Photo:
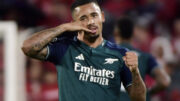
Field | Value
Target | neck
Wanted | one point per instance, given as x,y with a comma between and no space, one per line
93,44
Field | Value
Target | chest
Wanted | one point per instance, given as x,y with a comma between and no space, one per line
95,58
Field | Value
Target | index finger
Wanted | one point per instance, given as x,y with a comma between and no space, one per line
81,27
86,29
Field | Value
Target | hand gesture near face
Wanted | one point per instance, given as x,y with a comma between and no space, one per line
75,26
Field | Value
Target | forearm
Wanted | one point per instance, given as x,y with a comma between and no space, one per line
155,89
138,89
162,81
40,39
161,84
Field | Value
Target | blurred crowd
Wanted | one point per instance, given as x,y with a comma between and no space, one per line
157,31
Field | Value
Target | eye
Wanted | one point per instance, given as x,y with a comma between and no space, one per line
83,18
94,14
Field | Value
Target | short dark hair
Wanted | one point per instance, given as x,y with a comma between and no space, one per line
126,27
77,3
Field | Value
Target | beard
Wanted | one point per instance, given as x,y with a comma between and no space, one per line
90,37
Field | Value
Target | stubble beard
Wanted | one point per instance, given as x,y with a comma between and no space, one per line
90,38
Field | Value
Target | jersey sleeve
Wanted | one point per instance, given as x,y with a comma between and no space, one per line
126,76
152,64
56,50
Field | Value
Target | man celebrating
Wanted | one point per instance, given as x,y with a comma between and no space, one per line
89,67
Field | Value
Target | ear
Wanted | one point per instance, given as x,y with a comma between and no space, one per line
103,16
73,16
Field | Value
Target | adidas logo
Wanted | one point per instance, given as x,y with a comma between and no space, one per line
80,57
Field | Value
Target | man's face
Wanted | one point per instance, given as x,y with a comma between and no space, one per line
91,17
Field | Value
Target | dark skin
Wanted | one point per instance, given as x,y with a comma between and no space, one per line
87,20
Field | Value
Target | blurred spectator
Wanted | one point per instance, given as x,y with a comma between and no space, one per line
23,13
167,10
162,50
142,38
56,11
42,82
147,63
118,7
176,40
50,87
34,81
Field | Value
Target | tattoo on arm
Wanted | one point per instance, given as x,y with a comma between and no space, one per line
34,46
137,90
40,45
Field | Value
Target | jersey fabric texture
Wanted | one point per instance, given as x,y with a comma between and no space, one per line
88,74
146,65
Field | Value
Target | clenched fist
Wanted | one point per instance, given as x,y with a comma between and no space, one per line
131,61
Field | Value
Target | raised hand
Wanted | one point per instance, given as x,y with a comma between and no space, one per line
75,26
131,61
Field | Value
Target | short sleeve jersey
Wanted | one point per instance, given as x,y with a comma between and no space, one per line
88,74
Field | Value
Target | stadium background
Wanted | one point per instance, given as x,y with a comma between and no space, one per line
157,31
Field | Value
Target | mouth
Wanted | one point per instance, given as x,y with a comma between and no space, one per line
93,29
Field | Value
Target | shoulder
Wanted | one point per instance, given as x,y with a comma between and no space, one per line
144,54
63,40
116,47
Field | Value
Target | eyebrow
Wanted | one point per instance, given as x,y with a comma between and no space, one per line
90,14
94,13
83,16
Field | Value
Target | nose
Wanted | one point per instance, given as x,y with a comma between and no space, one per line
91,21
